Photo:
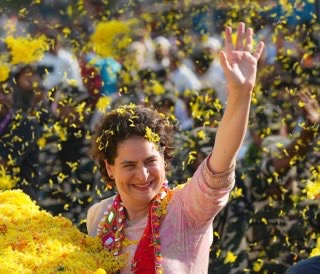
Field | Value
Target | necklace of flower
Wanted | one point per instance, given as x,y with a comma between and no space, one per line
112,234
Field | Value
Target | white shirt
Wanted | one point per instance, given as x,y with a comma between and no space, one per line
214,78
184,79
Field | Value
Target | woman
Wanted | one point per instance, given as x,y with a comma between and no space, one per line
169,231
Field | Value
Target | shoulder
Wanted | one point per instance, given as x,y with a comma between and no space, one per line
100,206
95,213
174,195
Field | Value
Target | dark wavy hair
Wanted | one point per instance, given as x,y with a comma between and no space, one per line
124,122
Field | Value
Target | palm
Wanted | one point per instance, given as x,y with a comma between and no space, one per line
244,67
239,64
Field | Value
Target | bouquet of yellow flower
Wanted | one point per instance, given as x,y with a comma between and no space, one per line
21,50
33,241
111,37
26,50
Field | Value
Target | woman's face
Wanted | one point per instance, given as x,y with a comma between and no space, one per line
138,171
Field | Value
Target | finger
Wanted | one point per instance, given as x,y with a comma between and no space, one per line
224,62
303,97
306,98
228,40
259,50
308,93
240,36
305,94
249,38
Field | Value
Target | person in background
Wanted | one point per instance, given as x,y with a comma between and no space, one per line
208,68
162,52
65,162
310,266
276,168
183,78
27,89
19,151
59,66
169,230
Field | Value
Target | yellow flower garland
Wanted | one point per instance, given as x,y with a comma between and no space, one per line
33,241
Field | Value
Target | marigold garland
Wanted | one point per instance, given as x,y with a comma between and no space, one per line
33,241
111,228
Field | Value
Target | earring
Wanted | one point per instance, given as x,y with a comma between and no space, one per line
111,177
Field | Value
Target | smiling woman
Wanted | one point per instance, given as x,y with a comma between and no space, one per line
132,146
164,230
138,172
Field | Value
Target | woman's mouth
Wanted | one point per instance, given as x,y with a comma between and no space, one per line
142,187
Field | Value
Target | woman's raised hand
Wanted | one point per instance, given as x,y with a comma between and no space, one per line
239,61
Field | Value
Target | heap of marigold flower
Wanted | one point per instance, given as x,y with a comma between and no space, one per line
6,181
33,241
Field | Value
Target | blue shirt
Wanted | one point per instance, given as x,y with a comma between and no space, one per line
307,266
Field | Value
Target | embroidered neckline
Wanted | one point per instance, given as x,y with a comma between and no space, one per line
111,228
133,222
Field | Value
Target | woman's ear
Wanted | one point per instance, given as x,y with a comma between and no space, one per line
109,169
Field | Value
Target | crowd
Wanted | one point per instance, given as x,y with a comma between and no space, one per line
49,109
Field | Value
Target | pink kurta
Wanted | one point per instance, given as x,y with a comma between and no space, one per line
186,232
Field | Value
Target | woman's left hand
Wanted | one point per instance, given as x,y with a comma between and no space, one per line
239,62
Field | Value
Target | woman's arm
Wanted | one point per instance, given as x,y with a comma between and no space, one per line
208,191
239,64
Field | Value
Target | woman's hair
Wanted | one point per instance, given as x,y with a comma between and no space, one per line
124,122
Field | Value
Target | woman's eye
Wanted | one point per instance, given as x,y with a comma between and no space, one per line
151,161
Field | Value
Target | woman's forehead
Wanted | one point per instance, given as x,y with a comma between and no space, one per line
137,143
136,148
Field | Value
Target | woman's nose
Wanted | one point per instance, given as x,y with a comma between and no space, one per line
142,173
